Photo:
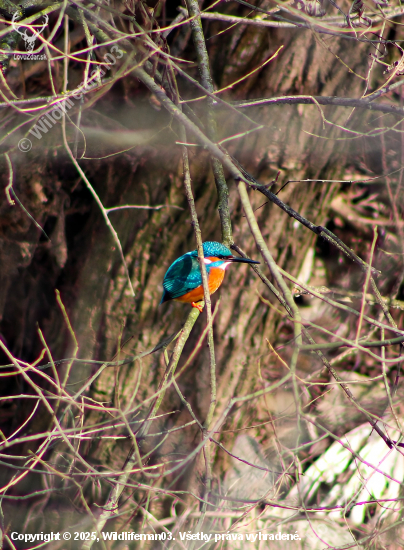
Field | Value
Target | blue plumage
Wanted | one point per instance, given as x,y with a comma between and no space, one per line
212,248
184,274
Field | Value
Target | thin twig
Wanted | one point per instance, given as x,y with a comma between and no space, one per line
207,83
101,206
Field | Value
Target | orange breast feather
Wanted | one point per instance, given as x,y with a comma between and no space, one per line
216,276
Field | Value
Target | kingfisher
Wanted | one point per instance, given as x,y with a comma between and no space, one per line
183,280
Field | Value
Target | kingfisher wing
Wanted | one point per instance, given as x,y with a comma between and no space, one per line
182,276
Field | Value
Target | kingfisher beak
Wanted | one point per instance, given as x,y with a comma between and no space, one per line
242,260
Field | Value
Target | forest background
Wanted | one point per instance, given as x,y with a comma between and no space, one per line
131,132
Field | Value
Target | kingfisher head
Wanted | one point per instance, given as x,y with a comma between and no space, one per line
218,255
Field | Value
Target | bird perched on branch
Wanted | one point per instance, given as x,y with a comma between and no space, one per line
183,280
